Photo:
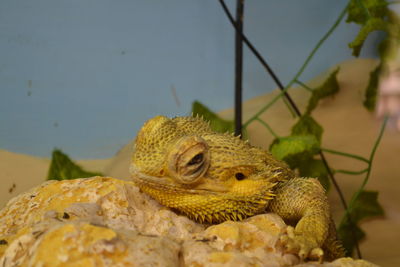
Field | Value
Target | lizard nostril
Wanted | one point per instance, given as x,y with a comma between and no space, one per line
240,176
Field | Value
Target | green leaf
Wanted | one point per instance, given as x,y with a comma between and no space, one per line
364,206
329,88
217,123
388,47
359,11
63,168
316,169
306,125
348,234
371,91
373,24
294,149
307,166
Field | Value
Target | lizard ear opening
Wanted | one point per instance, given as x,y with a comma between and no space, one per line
188,160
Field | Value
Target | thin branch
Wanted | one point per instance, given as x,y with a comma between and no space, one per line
351,172
317,46
308,59
356,195
284,89
266,125
290,100
345,154
263,109
305,86
371,158
260,58
343,200
238,67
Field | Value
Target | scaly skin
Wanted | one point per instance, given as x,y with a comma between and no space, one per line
213,177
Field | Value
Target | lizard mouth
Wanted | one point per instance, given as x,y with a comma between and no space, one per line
167,183
246,198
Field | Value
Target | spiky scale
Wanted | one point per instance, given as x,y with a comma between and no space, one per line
235,217
263,187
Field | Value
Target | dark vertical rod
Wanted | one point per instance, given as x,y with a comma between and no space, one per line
238,67
261,59
295,108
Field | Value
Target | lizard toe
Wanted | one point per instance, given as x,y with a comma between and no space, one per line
303,246
317,254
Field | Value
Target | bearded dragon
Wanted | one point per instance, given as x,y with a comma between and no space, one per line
213,177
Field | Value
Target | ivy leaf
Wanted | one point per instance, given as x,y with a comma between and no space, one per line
329,88
348,234
360,10
306,125
372,89
316,169
63,168
294,149
307,166
364,206
373,24
217,123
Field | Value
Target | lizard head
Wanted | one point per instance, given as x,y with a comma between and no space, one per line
208,176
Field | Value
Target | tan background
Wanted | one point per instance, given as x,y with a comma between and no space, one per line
347,126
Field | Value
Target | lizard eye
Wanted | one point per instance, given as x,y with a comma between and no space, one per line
196,159
189,160
240,176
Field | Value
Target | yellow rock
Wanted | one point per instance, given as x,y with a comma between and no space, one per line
103,221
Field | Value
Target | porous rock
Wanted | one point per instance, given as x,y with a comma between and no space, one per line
103,221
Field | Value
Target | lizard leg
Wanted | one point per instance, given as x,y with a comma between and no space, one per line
302,201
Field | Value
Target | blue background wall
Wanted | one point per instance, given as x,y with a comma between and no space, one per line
83,75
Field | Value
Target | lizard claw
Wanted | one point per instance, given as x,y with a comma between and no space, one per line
304,246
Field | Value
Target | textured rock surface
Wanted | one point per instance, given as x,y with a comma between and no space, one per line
107,222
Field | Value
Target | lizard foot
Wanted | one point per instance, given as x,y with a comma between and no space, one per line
304,246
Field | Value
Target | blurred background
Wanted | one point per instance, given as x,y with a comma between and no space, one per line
83,75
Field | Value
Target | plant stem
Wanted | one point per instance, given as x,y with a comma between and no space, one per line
268,127
371,158
287,96
263,109
356,195
305,64
284,89
238,67
317,46
260,58
305,86
351,172
345,154
343,200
